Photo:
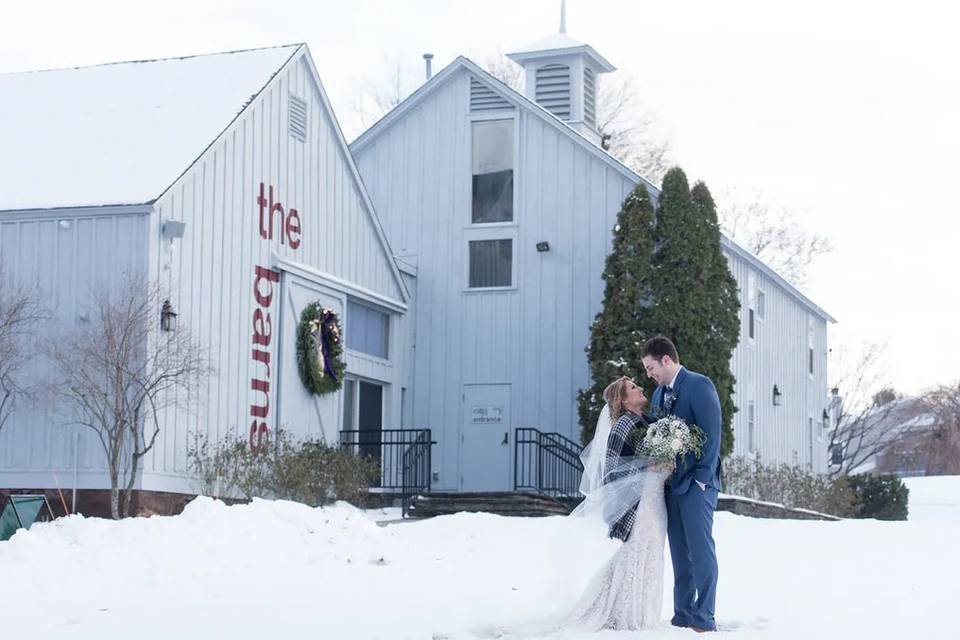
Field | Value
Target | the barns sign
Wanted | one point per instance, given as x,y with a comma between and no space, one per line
265,284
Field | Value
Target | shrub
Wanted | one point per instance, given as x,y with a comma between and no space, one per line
790,486
880,497
307,471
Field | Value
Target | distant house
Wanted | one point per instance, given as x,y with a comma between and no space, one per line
892,437
504,204
243,151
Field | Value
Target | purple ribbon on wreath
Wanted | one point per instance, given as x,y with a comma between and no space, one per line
325,346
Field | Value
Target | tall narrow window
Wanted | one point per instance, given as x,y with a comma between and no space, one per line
810,358
492,171
750,323
761,304
491,263
810,441
751,429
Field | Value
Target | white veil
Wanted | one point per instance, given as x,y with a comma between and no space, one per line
612,485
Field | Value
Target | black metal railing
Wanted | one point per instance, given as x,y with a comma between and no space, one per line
404,455
547,463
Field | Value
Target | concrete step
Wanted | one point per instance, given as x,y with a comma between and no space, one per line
506,503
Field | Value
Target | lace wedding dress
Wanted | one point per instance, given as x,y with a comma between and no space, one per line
627,593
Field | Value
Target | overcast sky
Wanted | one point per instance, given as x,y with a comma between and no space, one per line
846,112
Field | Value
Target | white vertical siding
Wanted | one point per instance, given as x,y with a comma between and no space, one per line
531,337
92,250
210,272
778,355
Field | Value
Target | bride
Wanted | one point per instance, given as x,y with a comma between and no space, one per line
628,493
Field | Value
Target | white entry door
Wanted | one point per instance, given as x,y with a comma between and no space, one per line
486,438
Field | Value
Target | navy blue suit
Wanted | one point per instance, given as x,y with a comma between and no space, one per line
690,508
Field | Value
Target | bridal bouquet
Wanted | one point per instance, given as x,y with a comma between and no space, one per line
669,437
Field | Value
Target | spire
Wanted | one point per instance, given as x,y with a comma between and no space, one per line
563,16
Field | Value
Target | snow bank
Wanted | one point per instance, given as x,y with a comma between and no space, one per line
280,569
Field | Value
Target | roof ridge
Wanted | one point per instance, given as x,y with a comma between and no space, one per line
147,60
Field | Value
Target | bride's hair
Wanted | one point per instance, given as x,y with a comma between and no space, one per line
613,396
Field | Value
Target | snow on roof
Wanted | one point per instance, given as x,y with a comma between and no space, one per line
558,43
119,133
553,41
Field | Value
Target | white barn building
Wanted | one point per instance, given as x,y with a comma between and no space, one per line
505,204
243,149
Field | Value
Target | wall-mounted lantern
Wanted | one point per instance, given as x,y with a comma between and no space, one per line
168,317
543,247
776,396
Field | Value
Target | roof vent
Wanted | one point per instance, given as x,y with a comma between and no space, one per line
483,98
553,89
297,118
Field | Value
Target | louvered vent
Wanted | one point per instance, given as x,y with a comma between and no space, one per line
297,118
483,98
589,98
553,89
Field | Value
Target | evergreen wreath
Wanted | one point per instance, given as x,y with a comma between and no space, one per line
320,349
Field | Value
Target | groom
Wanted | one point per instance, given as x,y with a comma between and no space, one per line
691,492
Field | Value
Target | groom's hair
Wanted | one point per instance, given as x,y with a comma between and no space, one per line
660,346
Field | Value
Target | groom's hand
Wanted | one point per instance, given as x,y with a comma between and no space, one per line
702,486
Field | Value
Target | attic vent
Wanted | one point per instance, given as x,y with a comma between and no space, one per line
589,98
553,89
483,98
297,118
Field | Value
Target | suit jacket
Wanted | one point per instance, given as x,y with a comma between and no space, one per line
696,403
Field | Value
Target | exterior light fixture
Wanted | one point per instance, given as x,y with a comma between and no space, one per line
543,247
168,317
776,396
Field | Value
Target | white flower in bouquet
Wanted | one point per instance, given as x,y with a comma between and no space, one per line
669,437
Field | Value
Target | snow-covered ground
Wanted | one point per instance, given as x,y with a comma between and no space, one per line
282,570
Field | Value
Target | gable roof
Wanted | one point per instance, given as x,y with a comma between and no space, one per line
521,101
347,156
507,93
120,133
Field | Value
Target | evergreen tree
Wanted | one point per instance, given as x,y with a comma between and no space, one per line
618,331
697,305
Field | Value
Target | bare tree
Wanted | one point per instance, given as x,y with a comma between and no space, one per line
505,70
942,445
118,371
868,416
380,93
627,130
771,232
20,312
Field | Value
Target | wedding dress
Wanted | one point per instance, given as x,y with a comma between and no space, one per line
627,592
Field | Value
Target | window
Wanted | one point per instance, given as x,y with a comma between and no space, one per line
750,324
761,305
491,263
810,441
751,432
492,171
810,360
368,330
836,454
